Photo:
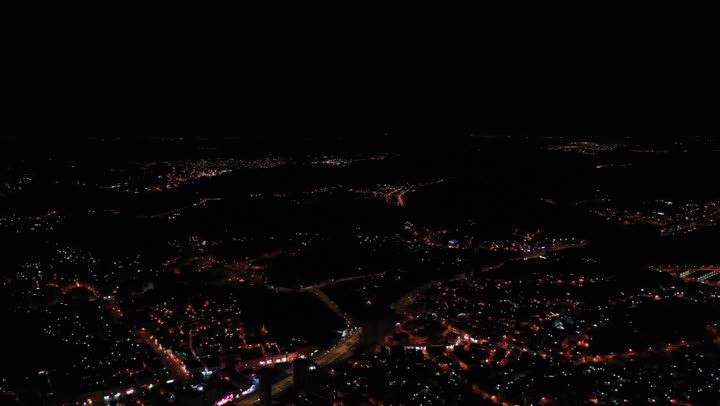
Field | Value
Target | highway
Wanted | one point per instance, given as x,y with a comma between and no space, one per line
340,280
338,352
328,282
341,350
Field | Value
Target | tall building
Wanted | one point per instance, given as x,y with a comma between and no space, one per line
265,387
304,375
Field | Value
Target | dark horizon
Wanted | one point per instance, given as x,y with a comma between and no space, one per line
96,71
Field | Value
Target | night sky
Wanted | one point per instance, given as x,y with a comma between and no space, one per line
136,69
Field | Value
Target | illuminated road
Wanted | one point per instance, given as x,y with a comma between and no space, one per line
333,306
191,333
167,357
535,255
116,312
328,282
341,280
316,290
201,202
396,196
338,352
341,350
404,302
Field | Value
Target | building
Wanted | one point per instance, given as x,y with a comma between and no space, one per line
305,375
265,387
